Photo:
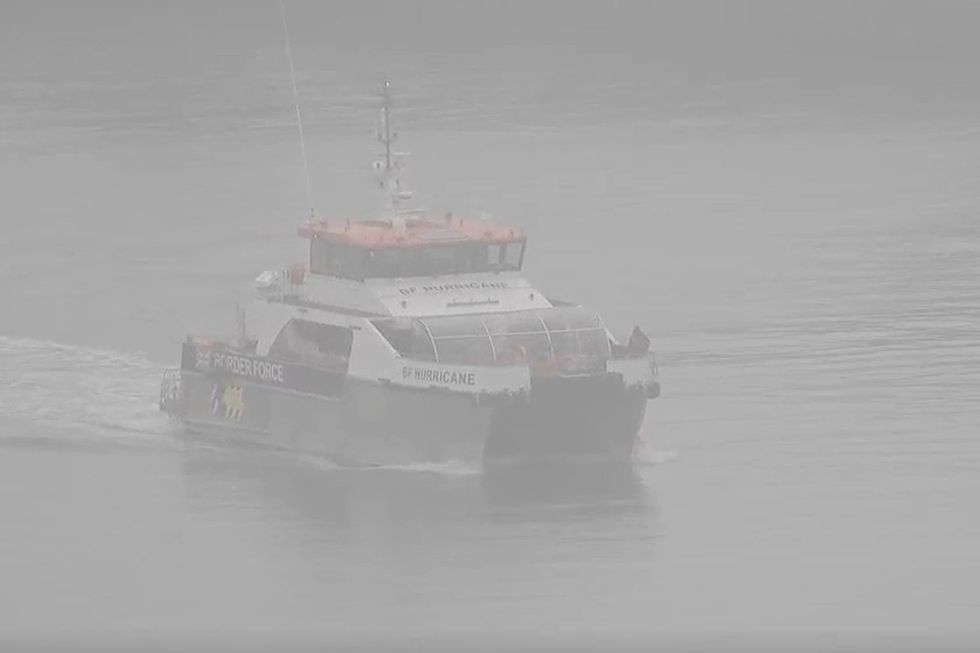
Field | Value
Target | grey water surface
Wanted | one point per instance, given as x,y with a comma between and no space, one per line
785,195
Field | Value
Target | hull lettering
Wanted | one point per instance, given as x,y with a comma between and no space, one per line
432,376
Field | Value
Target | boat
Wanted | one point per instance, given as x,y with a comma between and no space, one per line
415,338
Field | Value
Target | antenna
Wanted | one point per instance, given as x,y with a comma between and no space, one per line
299,117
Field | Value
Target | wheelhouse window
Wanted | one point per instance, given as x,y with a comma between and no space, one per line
504,256
337,259
350,262
513,257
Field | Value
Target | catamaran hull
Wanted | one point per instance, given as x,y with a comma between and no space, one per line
590,418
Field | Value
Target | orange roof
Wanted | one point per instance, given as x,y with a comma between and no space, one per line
418,231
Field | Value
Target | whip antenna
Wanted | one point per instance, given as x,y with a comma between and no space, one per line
299,117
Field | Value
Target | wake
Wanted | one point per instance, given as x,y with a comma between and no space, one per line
645,455
447,468
54,394
48,387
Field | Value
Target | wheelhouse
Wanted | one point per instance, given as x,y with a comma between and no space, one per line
375,249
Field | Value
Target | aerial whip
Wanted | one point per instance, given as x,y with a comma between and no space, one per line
299,117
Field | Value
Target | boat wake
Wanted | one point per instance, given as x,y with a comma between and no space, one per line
50,391
646,456
447,468
55,395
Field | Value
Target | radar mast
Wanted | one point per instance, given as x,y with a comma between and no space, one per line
388,169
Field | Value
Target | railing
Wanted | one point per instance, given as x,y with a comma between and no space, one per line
171,390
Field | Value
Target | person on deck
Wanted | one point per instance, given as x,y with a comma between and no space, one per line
639,343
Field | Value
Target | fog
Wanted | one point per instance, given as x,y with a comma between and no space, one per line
783,195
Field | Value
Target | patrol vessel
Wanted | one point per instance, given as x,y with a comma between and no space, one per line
415,338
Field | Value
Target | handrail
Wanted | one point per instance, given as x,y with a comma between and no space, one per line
171,389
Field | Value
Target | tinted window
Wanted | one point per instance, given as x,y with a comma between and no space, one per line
513,256
337,260
401,261
313,343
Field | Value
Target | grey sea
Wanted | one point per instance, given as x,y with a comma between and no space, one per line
785,195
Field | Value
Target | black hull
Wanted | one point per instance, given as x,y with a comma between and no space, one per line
590,418
580,417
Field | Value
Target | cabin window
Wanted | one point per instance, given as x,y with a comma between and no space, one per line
504,256
435,260
513,256
385,263
349,262
444,259
313,343
422,346
519,337
495,256
337,260
516,338
576,333
461,340
409,338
